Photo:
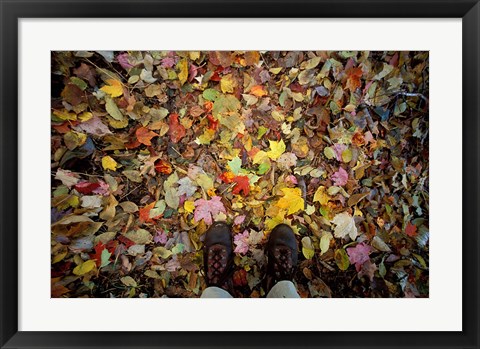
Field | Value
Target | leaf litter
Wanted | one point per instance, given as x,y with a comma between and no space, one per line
150,148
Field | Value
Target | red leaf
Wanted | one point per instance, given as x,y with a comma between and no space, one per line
65,127
126,241
112,246
163,167
411,229
242,185
144,135
97,256
212,123
86,187
176,130
240,278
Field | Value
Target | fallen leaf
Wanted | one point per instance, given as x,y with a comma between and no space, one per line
108,163
114,88
307,247
292,200
242,185
182,66
176,130
241,242
340,177
84,268
345,225
276,149
144,135
411,229
359,254
206,209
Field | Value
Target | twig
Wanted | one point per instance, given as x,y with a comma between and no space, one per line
131,191
106,72
326,265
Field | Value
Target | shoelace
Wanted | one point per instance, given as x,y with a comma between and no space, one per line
217,263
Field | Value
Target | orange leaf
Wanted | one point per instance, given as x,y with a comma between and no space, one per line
163,167
227,177
258,91
354,75
144,135
144,213
58,290
176,130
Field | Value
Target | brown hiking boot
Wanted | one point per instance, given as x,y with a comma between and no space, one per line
218,255
282,255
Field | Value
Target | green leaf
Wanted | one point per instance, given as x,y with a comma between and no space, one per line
210,94
329,153
79,82
235,165
105,258
225,104
179,248
128,281
159,208
261,131
112,109
382,270
263,168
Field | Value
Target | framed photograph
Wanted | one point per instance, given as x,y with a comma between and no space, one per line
239,174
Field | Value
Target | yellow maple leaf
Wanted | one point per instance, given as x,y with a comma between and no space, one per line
228,84
189,206
276,149
183,67
292,200
108,163
115,89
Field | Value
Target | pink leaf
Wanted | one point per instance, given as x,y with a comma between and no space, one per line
359,255
206,209
168,62
123,61
103,189
339,148
160,237
340,177
239,220
241,242
94,126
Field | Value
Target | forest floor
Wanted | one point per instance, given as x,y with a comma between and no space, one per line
150,148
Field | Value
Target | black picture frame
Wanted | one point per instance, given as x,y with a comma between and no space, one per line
12,11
